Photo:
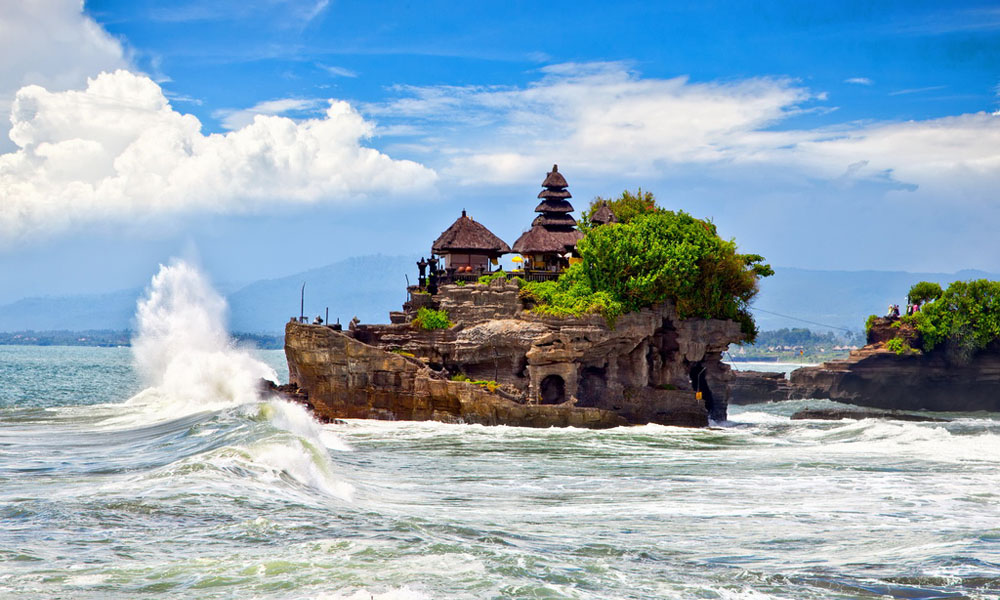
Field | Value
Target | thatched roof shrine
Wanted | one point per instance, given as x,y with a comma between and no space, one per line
469,237
603,215
541,240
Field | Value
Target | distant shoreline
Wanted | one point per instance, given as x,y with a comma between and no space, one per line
108,338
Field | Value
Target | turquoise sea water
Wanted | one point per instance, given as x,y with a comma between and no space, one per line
157,472
106,496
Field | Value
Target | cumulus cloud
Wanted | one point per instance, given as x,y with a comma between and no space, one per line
118,150
239,118
600,117
52,44
606,120
859,80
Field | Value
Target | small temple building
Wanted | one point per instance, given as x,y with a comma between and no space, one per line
469,245
553,236
603,215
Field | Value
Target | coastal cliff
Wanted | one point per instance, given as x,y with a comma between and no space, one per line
503,364
877,377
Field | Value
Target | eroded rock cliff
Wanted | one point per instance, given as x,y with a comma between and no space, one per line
876,377
533,370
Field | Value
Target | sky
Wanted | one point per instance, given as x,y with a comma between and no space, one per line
264,138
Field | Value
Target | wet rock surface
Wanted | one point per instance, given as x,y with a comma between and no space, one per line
878,378
525,369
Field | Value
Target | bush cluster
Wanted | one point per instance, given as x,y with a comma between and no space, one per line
651,256
490,278
431,319
965,318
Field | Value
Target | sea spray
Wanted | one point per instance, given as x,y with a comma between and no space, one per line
185,355
182,349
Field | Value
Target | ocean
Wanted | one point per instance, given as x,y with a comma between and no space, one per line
156,472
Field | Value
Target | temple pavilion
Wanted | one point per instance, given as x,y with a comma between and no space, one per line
603,215
551,241
468,245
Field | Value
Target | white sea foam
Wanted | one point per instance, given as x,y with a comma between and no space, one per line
183,351
184,354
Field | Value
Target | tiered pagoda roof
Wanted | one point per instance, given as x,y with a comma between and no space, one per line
554,230
466,236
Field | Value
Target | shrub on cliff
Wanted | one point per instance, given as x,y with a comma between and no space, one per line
430,319
965,318
924,291
657,255
625,207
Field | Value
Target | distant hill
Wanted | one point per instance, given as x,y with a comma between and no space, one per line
367,287
370,286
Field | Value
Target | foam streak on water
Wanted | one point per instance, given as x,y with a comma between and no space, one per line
196,488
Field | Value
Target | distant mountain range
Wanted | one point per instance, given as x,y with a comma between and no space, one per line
370,286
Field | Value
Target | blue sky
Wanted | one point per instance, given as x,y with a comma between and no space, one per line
266,137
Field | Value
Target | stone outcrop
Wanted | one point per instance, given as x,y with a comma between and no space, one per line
879,378
532,370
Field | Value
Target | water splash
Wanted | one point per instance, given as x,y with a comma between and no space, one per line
187,359
183,351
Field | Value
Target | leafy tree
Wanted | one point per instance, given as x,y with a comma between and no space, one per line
625,207
925,291
655,256
966,318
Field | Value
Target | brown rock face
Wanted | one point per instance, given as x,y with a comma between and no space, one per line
878,378
881,379
544,371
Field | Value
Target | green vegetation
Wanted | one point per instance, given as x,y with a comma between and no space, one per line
625,207
798,345
925,291
965,318
654,255
571,295
869,323
488,279
402,352
898,346
486,384
431,319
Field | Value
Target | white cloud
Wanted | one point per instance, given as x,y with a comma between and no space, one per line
117,150
238,118
337,71
859,80
599,117
51,43
931,88
606,121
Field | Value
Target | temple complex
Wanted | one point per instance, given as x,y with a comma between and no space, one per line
494,360
468,250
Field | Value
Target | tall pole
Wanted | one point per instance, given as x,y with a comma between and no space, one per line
302,303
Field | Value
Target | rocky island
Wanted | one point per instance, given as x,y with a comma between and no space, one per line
945,357
574,338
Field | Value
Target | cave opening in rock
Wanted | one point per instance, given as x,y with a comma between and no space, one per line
552,390
699,382
593,387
